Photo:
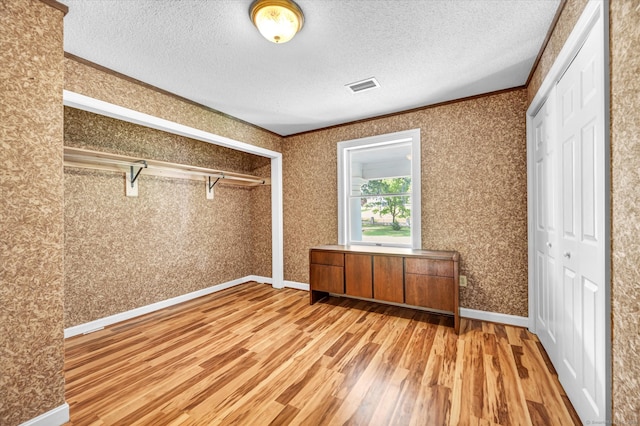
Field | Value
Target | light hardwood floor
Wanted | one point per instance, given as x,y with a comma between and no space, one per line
252,355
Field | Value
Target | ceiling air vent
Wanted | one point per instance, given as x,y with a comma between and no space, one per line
363,85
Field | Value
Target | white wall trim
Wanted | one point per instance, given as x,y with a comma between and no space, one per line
287,284
122,316
259,279
56,417
277,223
296,285
518,321
96,106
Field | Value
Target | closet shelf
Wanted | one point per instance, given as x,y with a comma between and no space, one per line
84,158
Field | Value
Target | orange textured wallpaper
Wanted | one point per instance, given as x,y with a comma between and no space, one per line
625,201
474,186
125,252
31,229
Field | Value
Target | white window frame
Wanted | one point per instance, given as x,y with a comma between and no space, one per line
344,178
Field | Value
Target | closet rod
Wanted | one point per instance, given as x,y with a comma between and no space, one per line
219,175
84,159
78,157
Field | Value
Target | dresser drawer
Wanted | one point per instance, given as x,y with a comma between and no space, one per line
327,278
327,258
429,291
440,268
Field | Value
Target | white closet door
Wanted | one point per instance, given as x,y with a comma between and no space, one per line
546,272
580,112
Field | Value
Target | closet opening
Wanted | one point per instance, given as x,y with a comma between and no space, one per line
174,240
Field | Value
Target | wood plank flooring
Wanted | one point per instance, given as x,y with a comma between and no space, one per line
252,355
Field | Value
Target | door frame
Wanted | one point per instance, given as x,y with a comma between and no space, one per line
594,16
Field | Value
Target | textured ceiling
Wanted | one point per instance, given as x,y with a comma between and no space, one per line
421,52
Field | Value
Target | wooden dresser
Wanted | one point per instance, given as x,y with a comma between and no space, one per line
419,278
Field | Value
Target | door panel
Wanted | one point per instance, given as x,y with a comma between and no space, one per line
541,195
541,285
588,183
567,97
588,81
591,354
571,340
568,185
546,236
552,302
583,164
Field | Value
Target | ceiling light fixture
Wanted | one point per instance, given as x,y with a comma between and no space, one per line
277,20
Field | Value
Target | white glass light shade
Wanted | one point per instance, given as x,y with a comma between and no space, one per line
277,20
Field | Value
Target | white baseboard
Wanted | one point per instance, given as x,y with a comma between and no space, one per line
287,284
56,417
103,322
296,285
259,279
495,317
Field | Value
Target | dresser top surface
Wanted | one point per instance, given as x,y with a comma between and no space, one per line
391,251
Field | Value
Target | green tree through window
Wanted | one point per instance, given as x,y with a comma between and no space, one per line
389,198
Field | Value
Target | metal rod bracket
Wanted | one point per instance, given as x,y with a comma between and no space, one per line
132,178
210,186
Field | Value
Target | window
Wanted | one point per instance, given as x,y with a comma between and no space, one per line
379,190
